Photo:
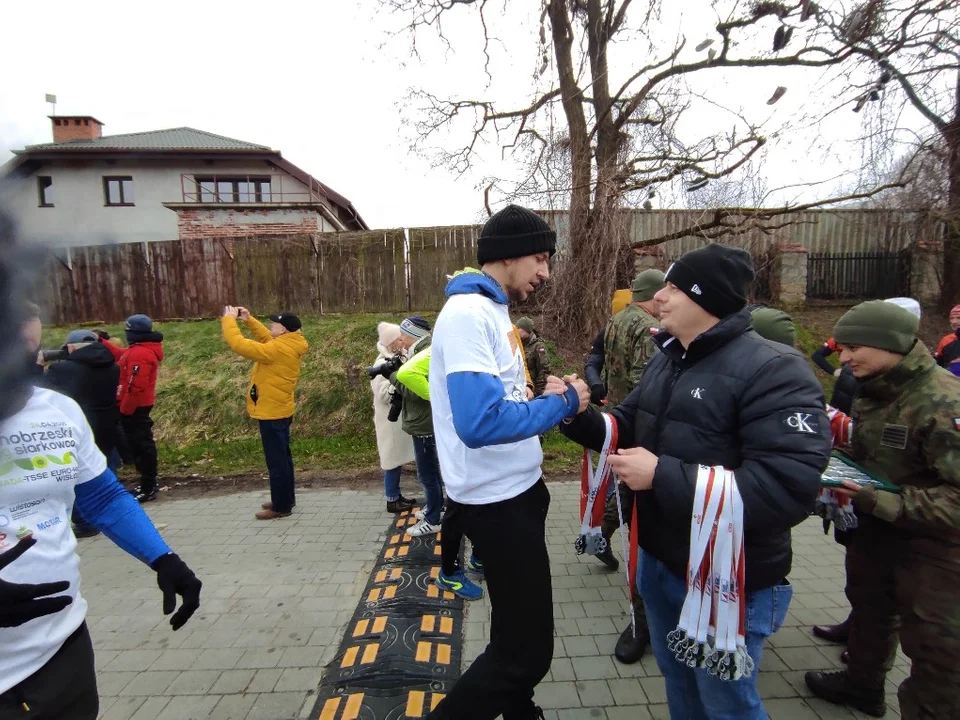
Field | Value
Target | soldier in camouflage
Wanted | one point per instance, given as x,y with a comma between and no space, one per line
628,346
538,364
628,341
903,572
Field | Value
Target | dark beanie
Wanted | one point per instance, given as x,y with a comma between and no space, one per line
878,324
772,324
646,284
715,277
514,232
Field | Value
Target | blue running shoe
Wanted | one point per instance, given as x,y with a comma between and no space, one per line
475,566
460,585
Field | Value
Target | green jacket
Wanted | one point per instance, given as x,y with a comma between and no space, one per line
627,348
906,428
411,381
538,363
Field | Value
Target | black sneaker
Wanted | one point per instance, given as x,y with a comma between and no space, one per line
147,495
836,687
630,649
87,531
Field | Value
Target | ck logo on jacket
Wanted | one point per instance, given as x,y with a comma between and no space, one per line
802,423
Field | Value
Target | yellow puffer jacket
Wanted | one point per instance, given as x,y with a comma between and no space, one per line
276,369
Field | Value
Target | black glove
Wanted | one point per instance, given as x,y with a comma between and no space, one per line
22,602
175,578
598,394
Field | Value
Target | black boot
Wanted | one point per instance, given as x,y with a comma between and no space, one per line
836,687
630,649
607,558
401,505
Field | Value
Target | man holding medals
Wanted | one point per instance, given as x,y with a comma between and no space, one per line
903,571
726,430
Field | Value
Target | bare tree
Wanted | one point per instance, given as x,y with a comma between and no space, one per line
625,131
905,54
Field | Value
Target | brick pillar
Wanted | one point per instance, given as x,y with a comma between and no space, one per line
926,271
649,257
789,279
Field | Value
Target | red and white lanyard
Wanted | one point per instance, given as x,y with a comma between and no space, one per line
711,631
593,484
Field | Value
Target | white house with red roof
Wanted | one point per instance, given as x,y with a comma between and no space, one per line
86,188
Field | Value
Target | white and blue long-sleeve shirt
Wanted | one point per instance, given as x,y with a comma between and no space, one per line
486,430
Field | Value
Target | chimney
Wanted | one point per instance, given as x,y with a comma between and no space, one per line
75,127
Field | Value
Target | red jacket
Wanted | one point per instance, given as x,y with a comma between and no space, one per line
139,364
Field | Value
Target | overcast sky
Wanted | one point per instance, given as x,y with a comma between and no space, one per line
324,84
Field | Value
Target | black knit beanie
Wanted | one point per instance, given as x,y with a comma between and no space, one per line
514,232
715,277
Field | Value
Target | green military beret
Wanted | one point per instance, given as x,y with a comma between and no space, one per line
646,285
773,324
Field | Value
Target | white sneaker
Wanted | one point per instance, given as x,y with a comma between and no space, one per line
420,514
423,528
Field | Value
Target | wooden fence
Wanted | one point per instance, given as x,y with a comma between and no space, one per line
392,270
382,271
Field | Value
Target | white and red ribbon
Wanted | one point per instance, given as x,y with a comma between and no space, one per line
712,627
593,485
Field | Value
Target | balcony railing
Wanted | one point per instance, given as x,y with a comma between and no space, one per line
234,189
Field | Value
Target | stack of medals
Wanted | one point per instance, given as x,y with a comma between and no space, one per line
712,625
593,485
832,506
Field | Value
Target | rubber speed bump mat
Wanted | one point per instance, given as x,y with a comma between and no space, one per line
401,651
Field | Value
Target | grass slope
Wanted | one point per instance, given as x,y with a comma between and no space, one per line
201,421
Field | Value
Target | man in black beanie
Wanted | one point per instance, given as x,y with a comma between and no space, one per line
720,396
487,441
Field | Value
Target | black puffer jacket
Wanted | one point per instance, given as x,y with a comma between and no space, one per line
89,375
593,370
736,400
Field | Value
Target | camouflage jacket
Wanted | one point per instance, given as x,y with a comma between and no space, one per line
538,364
906,428
627,348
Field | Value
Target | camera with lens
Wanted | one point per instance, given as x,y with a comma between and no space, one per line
54,355
396,405
386,368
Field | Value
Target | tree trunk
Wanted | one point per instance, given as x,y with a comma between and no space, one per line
951,235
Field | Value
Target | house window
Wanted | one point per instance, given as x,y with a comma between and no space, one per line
233,190
45,190
118,190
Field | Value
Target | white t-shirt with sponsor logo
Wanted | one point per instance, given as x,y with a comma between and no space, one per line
45,451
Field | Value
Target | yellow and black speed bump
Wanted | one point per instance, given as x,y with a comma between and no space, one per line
401,652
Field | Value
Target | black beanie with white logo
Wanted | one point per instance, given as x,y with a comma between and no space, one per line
716,277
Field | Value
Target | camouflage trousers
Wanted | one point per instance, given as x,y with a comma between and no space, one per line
897,586
610,524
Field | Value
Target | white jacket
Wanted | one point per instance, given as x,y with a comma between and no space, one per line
393,444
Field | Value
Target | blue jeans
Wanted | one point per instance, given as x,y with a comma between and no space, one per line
275,435
692,693
391,484
428,472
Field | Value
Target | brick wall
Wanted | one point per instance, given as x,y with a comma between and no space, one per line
225,223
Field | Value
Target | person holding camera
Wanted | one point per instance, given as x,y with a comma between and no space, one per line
277,353
139,365
417,420
393,444
89,375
